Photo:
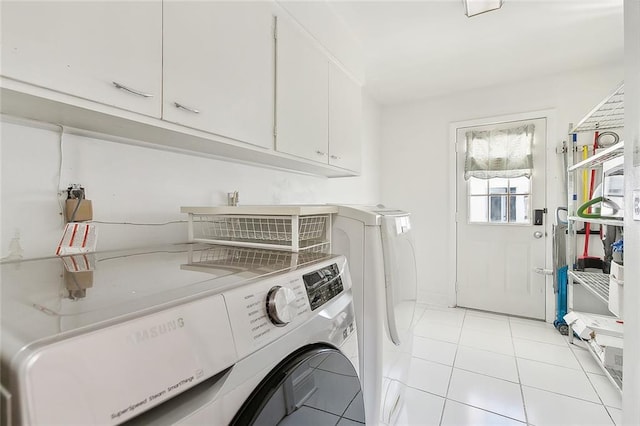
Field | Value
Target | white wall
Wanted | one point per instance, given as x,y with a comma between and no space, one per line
417,149
137,184
631,394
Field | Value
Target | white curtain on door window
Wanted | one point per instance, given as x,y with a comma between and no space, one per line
499,153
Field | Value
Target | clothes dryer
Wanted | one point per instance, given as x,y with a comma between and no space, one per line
181,334
378,245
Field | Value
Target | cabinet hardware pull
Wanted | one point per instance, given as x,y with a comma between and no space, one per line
321,153
130,90
180,106
335,157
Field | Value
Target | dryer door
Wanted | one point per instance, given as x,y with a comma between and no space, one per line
315,385
400,275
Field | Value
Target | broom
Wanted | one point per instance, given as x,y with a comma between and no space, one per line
586,261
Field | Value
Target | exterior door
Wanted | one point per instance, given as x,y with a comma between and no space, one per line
499,246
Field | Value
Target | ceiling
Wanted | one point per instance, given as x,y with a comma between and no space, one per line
418,49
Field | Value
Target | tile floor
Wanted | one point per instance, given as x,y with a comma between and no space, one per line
477,368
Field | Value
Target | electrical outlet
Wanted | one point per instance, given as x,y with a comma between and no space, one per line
75,191
636,204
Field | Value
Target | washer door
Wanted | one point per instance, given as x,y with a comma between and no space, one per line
316,385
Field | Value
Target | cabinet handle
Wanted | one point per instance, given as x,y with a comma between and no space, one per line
334,157
132,91
180,106
321,153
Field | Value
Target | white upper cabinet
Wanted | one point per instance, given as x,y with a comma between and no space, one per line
302,95
105,51
225,78
318,107
219,68
345,120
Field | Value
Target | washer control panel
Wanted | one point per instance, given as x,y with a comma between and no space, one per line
261,312
323,285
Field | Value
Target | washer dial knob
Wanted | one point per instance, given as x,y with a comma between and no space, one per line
281,305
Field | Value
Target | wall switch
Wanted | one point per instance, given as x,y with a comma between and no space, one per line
636,204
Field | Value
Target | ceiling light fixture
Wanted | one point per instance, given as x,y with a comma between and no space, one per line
476,7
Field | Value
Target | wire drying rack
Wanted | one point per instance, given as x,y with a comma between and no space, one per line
290,232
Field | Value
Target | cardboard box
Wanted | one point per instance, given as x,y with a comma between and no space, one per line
83,213
77,283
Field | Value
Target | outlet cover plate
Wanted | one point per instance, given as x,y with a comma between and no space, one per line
636,204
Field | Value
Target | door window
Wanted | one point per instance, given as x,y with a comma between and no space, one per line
498,168
499,200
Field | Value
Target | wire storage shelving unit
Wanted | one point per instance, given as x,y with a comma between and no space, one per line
607,330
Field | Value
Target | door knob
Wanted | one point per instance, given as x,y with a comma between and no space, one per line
537,235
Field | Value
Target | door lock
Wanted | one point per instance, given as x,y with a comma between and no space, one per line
537,235
538,217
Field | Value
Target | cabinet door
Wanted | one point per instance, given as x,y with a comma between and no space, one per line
83,47
301,95
345,120
219,67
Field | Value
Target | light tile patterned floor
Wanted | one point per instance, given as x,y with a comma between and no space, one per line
477,368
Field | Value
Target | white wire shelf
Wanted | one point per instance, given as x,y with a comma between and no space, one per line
608,114
259,228
597,159
597,283
613,222
307,245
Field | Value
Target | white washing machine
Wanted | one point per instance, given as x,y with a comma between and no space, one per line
378,245
182,334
